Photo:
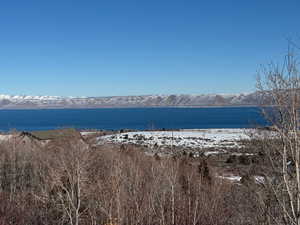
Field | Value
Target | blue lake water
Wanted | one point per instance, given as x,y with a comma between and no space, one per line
131,118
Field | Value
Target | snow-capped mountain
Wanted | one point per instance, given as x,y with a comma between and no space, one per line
39,102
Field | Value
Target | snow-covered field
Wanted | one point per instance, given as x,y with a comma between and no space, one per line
202,138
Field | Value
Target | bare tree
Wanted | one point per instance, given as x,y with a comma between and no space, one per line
279,86
68,175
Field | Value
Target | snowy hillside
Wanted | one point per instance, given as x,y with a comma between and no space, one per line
211,138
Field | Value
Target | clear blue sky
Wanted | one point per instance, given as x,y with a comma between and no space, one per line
127,47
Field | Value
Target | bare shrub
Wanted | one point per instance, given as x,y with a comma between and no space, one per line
67,182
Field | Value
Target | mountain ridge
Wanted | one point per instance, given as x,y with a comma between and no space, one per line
175,100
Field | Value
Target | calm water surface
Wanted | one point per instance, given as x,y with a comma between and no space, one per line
131,118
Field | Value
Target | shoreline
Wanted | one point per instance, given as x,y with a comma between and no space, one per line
129,107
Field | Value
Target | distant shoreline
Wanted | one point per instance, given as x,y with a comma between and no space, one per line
129,107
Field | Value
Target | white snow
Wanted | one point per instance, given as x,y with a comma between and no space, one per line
28,97
208,153
144,100
242,154
235,178
5,137
86,133
259,179
231,178
227,138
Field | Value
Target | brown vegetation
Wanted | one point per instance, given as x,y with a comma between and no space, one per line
66,182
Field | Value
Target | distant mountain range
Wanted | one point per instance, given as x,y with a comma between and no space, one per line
185,100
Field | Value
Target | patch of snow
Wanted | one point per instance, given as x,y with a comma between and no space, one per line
213,153
5,137
86,133
243,154
231,178
259,179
